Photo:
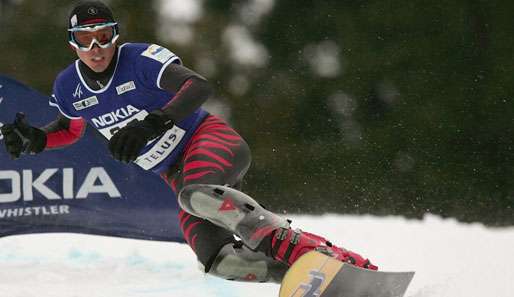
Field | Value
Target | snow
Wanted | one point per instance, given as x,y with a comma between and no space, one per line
451,259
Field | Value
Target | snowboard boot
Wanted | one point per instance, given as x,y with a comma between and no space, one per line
258,228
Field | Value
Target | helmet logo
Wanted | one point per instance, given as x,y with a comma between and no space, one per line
73,20
92,10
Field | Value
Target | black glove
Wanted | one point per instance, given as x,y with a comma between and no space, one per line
20,137
128,142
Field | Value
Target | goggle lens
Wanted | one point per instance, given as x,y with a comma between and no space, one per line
103,35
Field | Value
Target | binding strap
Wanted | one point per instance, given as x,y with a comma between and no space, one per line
280,236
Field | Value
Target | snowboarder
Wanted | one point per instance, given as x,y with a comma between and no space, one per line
148,106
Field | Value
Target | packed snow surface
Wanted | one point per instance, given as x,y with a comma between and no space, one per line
451,259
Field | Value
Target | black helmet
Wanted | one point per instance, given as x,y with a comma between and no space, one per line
90,12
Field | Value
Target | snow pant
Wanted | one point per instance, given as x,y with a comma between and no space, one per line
216,154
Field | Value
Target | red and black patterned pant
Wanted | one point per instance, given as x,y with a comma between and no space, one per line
216,154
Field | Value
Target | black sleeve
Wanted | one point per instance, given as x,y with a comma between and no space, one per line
191,91
59,124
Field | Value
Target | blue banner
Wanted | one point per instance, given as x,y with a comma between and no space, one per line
80,188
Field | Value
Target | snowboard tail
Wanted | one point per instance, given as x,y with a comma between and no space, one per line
319,275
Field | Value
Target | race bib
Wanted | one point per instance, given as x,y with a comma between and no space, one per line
158,53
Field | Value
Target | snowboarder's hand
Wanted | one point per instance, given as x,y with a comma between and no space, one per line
128,142
20,137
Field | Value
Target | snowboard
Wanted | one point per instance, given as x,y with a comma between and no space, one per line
317,275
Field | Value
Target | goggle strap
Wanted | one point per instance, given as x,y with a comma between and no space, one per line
92,28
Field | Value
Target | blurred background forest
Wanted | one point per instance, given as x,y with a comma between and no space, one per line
380,107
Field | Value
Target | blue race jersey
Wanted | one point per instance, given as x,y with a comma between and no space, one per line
132,92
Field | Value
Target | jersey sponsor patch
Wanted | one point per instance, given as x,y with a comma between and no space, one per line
123,88
83,104
158,53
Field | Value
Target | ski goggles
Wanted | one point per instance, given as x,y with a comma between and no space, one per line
85,37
